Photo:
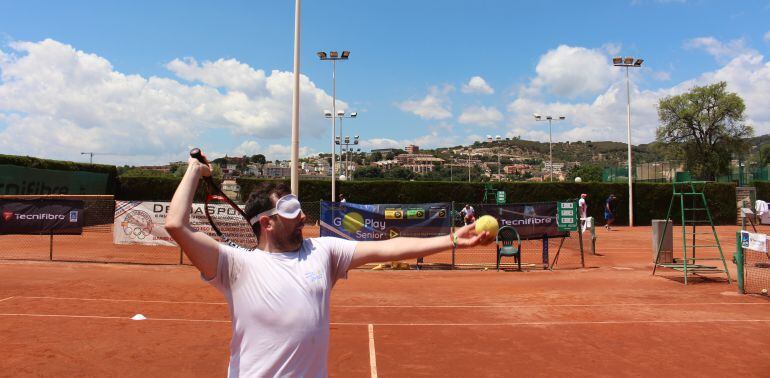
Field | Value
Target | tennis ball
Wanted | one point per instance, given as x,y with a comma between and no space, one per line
487,223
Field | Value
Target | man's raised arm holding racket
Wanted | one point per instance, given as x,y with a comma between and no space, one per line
278,290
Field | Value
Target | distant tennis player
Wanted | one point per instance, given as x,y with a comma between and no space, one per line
278,294
468,214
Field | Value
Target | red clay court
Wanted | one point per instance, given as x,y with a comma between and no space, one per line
611,319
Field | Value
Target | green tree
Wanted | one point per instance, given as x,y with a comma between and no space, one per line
586,172
259,160
400,173
704,126
764,155
367,172
375,156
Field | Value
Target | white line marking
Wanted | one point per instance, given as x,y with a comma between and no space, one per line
555,305
764,303
372,355
118,318
125,300
561,323
425,324
5,299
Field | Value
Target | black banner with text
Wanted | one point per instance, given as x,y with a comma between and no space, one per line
41,216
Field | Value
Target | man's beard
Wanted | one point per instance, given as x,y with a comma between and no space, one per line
292,241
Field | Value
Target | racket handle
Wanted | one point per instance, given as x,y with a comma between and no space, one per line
197,154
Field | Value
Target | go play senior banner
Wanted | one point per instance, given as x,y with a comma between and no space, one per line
531,221
384,221
139,222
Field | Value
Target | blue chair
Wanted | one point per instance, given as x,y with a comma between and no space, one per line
508,244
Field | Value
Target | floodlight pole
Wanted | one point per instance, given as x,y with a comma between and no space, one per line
629,62
334,57
295,105
550,140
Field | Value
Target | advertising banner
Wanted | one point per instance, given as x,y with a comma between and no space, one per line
384,221
17,180
139,222
41,216
531,221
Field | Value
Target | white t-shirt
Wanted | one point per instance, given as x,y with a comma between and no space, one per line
583,207
279,305
467,211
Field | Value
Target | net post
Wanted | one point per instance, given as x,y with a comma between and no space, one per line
580,238
738,256
451,233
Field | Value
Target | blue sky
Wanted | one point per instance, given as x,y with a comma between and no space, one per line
145,80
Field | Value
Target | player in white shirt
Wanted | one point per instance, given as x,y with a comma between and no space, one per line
278,294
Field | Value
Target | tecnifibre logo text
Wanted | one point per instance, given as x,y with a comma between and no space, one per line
522,222
39,216
32,187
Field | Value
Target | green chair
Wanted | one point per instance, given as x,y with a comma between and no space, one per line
508,244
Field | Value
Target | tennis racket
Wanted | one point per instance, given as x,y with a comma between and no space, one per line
228,220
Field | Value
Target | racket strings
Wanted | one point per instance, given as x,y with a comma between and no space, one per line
233,227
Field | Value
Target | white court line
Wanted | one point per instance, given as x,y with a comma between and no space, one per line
118,318
124,300
427,324
5,299
427,306
559,323
556,305
372,355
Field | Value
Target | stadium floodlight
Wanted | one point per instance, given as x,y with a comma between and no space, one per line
353,114
340,113
629,62
333,56
327,113
549,118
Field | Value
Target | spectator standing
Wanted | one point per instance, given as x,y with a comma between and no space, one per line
609,211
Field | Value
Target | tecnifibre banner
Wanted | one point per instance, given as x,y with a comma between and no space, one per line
16,180
531,220
378,222
41,216
138,222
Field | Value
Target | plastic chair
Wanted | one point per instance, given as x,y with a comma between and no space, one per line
508,244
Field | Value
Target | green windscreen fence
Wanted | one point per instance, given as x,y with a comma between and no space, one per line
18,180
643,172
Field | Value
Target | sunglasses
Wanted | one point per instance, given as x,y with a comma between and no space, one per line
287,207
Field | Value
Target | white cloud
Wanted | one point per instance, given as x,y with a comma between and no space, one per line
477,84
719,50
59,101
441,135
766,37
435,105
604,117
571,72
481,115
271,152
661,75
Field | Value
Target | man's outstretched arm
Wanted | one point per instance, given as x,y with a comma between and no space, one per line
410,248
202,250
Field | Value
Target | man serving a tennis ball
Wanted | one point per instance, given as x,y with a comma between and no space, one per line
278,294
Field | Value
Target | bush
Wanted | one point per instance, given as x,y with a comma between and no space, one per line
59,165
651,200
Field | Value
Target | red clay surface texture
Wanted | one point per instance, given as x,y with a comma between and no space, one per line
611,319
